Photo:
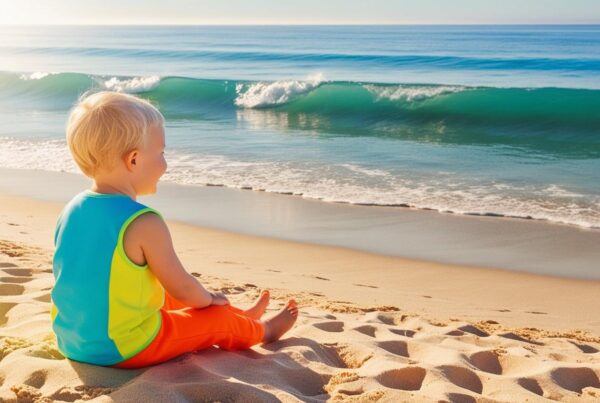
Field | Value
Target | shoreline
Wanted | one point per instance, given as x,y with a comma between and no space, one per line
513,244
408,207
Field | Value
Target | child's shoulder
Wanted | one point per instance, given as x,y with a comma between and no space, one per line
147,221
145,231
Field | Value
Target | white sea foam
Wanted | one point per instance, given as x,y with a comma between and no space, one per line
274,93
410,93
558,191
353,183
350,183
131,85
365,171
47,155
38,75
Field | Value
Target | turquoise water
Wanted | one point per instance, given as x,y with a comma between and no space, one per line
497,120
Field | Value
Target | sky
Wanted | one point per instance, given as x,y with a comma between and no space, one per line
204,12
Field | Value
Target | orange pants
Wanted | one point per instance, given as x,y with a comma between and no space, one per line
186,329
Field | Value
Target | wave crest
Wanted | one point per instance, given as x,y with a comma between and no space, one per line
263,94
131,85
38,75
411,93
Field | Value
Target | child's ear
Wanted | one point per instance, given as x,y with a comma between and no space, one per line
131,159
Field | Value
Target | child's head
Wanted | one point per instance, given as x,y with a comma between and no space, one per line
116,135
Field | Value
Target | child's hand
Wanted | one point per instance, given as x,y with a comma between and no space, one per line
219,298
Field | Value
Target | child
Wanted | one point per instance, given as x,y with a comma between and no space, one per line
121,296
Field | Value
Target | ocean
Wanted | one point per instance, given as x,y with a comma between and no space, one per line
482,120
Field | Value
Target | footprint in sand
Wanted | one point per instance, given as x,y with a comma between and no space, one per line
12,285
409,378
37,379
44,298
575,379
585,348
396,347
531,385
455,332
19,272
4,308
11,289
462,377
329,353
366,330
486,361
343,378
18,280
461,398
403,332
349,355
473,330
514,336
390,318
334,326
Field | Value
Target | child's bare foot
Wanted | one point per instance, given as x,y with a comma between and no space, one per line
281,322
259,307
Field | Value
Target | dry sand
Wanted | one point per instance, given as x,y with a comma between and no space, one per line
371,328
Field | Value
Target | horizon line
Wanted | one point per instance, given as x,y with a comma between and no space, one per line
307,24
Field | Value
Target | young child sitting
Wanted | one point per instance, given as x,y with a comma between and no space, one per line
122,297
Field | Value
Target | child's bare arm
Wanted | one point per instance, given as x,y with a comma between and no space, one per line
149,237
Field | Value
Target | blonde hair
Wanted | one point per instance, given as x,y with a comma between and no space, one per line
105,126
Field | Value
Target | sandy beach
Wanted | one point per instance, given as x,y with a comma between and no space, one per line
371,327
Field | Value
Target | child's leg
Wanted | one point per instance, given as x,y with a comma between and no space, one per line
237,310
190,329
172,304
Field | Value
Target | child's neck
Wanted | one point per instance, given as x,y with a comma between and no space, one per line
100,186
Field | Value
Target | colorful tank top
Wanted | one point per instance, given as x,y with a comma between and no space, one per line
105,308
